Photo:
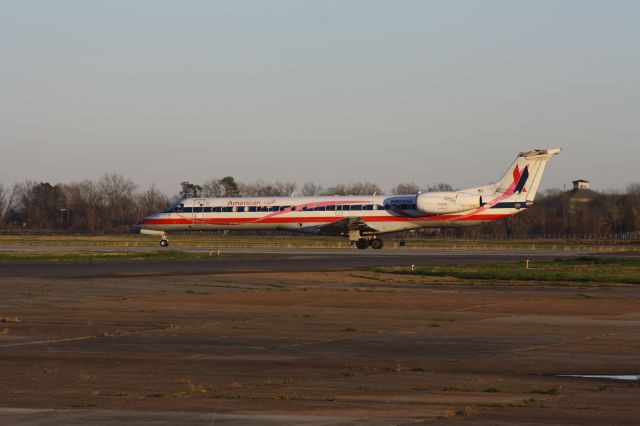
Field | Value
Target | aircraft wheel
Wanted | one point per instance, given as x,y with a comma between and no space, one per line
376,244
164,243
362,244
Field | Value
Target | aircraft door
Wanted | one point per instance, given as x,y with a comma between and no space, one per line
197,215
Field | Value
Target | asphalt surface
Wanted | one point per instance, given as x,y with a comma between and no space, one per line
237,260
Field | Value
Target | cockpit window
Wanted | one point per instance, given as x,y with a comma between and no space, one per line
176,208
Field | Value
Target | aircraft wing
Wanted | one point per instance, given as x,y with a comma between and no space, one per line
346,225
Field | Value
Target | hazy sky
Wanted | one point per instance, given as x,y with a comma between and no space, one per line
321,91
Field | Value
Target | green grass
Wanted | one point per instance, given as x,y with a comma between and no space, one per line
99,256
581,270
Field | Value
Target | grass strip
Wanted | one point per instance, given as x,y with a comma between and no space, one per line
307,241
583,270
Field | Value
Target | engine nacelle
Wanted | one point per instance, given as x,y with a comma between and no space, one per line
447,202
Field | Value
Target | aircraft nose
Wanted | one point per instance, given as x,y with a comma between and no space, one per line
138,226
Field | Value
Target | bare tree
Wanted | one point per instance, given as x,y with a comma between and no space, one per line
93,201
285,189
357,188
212,188
406,189
310,189
18,204
631,208
150,201
8,203
118,194
263,189
633,189
3,202
440,187
225,187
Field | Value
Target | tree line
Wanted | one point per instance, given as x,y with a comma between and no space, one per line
561,213
113,203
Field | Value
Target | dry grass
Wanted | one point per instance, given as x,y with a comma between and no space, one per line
196,239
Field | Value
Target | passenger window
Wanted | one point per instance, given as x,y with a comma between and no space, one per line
227,209
356,207
346,207
330,208
367,207
252,209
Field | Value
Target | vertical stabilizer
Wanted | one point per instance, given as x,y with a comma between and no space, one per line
522,179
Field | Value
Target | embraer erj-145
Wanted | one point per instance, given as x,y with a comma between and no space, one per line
360,218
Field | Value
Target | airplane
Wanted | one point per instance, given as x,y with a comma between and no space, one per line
361,219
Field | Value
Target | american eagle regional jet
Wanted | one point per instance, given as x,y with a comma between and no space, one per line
360,218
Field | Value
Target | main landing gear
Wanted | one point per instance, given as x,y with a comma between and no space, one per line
375,243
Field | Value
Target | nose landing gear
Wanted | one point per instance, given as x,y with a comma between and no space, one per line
164,241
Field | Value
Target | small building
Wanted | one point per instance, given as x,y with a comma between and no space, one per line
580,184
581,194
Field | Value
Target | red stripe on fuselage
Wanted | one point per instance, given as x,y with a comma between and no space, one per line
318,219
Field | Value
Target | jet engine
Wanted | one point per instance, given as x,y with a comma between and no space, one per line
447,202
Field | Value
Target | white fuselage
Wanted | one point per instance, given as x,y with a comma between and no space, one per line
312,214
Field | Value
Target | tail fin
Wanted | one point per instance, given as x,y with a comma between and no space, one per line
523,177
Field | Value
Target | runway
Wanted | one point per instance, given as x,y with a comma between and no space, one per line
236,260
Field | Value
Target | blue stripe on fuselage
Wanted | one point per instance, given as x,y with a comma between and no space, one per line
510,205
